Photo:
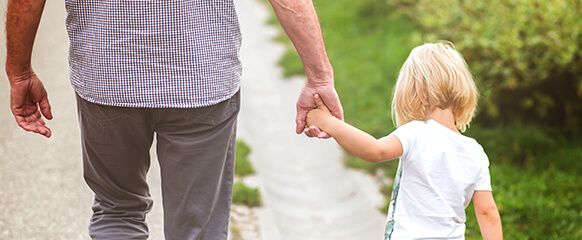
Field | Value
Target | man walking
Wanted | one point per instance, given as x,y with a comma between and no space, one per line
166,67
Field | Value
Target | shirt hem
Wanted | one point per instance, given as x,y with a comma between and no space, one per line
193,104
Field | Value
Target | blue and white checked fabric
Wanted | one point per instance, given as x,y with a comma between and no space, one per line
154,53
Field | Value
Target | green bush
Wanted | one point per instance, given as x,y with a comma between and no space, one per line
242,166
521,144
242,194
525,54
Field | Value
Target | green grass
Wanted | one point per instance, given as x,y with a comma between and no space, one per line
242,194
243,166
535,170
534,203
535,181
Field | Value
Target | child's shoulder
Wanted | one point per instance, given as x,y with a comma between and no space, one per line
414,124
434,130
410,129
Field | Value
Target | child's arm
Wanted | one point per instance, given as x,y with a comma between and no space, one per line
487,215
357,142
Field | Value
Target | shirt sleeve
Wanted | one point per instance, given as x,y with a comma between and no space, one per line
484,180
405,134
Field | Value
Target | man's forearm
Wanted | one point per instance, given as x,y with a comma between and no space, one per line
22,20
299,20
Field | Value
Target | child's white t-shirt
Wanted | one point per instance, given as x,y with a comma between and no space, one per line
439,171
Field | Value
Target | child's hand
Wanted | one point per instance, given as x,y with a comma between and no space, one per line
319,115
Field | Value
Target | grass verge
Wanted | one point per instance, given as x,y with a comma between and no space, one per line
243,166
243,194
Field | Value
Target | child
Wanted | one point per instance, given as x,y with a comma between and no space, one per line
440,170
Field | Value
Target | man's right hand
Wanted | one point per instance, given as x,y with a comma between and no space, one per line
28,98
305,103
29,103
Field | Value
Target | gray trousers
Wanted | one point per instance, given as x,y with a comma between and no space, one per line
196,151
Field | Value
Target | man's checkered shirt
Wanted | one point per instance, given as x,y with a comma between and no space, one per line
154,53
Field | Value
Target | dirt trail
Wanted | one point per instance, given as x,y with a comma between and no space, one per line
307,192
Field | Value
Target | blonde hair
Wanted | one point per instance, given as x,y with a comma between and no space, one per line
434,75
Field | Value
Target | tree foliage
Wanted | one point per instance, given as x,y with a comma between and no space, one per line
526,55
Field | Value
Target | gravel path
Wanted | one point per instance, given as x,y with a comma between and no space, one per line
307,192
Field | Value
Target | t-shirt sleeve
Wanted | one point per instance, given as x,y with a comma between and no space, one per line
484,179
405,134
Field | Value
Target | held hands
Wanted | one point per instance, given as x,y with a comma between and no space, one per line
317,117
306,103
29,103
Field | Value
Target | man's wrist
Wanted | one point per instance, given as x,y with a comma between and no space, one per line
321,76
17,73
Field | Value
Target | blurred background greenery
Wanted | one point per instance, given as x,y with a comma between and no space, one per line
526,56
241,193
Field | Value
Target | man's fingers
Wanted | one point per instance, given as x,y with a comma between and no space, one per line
308,133
43,130
40,129
313,131
330,103
47,132
339,114
323,135
45,108
335,108
34,124
300,121
30,127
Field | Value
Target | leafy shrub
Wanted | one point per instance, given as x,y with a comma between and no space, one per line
243,194
525,54
242,166
521,144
